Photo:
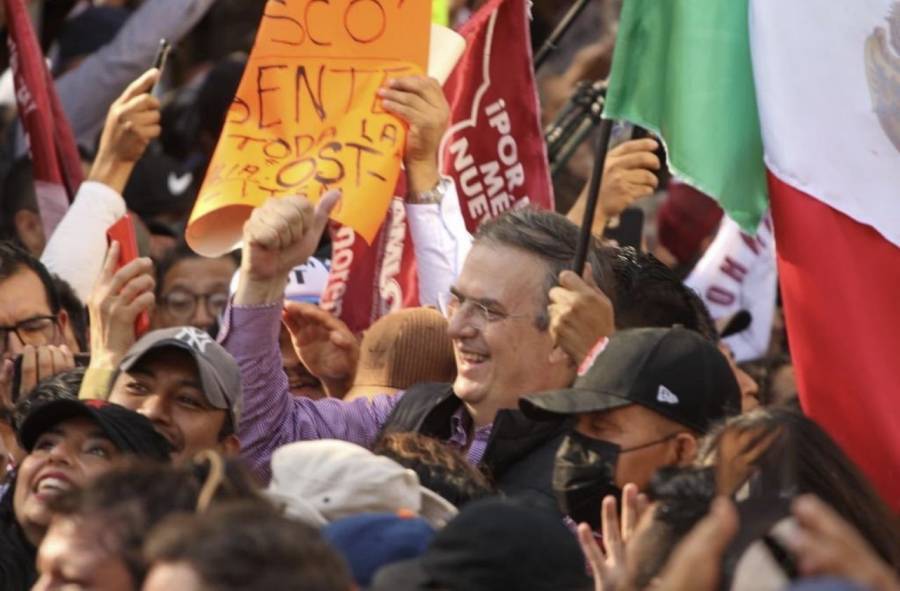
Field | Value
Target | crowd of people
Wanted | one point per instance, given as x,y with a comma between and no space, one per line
526,428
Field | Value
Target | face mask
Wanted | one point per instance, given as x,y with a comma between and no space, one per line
584,473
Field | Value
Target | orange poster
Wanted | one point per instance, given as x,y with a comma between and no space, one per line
306,118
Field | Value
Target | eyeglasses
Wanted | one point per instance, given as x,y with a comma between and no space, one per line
35,331
182,304
454,302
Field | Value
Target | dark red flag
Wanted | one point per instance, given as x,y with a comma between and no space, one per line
494,149
54,155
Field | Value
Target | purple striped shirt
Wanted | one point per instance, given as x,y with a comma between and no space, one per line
272,417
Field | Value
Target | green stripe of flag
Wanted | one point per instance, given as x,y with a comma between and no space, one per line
682,69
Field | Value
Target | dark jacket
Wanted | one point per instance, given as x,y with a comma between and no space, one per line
17,555
520,452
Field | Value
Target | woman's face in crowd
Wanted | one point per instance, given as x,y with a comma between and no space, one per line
64,458
505,356
74,557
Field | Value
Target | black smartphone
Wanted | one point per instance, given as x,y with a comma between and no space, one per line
627,229
159,62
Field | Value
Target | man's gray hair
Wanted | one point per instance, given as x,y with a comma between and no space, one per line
552,238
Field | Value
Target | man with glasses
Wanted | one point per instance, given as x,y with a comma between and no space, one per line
32,321
498,323
32,324
192,290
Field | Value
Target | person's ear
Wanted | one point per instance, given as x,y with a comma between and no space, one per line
560,357
30,231
230,446
686,448
62,317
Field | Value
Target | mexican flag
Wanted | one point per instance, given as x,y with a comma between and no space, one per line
794,106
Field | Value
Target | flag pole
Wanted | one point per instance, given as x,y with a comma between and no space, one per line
587,223
550,44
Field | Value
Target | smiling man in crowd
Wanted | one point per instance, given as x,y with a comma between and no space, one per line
186,384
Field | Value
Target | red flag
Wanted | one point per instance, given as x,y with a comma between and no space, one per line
494,149
840,284
54,155
367,282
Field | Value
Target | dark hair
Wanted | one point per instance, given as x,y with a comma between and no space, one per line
799,457
440,468
238,546
17,195
682,496
74,307
181,252
128,501
648,294
62,386
13,258
552,238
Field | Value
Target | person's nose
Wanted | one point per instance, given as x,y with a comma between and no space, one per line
460,325
202,318
14,346
156,409
61,453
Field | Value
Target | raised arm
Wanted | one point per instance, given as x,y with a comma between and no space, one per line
77,248
440,238
87,91
280,235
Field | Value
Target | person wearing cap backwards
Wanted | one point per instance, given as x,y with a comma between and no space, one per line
68,442
642,400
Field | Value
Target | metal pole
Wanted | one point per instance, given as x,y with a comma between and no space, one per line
587,224
550,44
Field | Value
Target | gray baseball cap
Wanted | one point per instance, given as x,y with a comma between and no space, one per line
219,373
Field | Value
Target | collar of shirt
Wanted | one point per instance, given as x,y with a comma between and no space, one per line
460,425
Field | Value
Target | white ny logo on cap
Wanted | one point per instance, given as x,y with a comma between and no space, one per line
195,338
667,396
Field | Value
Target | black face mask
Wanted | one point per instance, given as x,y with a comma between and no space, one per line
583,475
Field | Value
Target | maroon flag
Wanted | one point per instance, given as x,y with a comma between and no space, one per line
366,282
494,149
55,160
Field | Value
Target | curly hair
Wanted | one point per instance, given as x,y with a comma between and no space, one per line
440,468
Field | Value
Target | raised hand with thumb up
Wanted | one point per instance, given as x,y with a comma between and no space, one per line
280,234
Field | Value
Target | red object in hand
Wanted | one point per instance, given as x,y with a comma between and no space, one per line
123,233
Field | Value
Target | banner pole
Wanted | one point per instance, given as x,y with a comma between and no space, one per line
587,223
550,44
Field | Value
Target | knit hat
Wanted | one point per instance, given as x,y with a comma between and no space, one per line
371,541
402,349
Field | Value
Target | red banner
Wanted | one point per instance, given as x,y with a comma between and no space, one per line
366,282
494,149
57,166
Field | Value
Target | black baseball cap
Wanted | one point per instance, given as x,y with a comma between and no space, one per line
537,553
672,371
129,431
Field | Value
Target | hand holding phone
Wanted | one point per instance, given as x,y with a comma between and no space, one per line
122,232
